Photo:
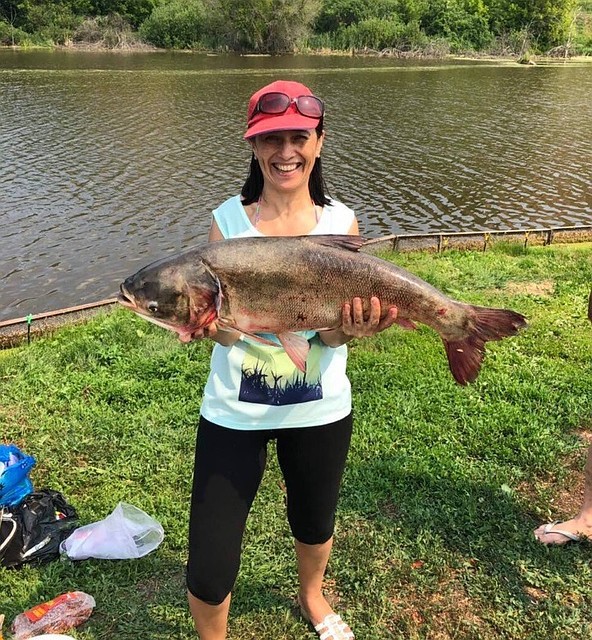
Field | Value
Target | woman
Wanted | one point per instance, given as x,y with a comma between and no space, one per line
254,393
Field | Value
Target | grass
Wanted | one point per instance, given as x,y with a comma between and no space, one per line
443,487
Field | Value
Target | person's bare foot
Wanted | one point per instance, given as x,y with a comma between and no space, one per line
558,533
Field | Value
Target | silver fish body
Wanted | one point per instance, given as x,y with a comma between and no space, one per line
281,285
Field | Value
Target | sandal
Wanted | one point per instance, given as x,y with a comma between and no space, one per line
331,627
549,529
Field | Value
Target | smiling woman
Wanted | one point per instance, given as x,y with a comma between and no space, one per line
256,392
286,135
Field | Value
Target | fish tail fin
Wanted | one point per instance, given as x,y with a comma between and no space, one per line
465,356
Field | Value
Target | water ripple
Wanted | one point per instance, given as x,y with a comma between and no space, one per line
107,165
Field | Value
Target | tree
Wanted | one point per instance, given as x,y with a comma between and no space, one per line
134,11
178,24
337,14
266,26
548,21
463,21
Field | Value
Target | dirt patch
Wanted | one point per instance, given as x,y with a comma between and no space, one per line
567,492
446,610
543,289
535,595
390,510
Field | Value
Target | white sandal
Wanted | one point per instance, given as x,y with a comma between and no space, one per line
331,627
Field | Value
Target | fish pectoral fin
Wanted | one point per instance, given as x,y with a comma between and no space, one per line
229,324
259,339
296,347
406,323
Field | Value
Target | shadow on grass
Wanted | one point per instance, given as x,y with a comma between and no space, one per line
460,524
144,598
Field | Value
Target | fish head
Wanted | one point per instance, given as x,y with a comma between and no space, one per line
179,296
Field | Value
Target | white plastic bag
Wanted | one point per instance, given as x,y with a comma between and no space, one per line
125,534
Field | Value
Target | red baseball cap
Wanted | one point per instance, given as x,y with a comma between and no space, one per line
291,119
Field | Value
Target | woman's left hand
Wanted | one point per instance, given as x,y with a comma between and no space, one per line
359,325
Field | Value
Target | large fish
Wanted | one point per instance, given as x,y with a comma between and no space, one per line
280,285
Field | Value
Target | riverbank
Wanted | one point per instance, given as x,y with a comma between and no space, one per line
442,489
428,54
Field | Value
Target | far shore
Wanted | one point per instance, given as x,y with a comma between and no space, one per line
426,54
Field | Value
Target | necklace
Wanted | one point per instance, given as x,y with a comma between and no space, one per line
257,217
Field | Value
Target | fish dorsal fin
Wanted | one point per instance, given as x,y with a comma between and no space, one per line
350,243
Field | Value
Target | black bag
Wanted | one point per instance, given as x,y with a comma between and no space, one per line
32,531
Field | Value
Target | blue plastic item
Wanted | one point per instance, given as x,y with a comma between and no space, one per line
15,484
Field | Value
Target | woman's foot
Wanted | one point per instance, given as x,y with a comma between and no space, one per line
558,533
321,616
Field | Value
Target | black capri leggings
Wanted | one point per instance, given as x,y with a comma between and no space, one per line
229,465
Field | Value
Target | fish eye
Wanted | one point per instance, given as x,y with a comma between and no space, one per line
153,306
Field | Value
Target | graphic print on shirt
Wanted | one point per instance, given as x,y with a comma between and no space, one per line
268,376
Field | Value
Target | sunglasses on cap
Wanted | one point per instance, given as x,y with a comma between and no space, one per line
276,103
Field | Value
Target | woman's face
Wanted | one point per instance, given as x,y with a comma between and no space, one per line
286,158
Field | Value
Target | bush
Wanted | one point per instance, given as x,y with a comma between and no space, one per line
464,22
373,33
133,11
379,34
112,32
50,23
338,14
10,35
583,46
262,26
178,24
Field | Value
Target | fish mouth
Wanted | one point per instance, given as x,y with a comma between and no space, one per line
125,298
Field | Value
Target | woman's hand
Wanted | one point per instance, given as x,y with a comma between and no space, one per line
357,324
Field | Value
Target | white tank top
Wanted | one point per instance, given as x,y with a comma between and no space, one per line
255,386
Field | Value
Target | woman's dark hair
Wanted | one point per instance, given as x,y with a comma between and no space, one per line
253,186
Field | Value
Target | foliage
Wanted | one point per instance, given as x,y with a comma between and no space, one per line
383,24
279,26
179,24
133,11
53,22
583,28
262,26
337,14
442,489
547,20
379,34
110,32
11,35
464,22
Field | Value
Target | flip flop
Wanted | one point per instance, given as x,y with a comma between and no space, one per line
549,529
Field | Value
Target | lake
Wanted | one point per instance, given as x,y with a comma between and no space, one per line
111,160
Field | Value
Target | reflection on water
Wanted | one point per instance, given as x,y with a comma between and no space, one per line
109,161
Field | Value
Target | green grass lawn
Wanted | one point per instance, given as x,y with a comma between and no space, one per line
443,487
